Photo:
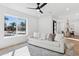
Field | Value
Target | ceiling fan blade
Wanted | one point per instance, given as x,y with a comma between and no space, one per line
38,6
43,5
41,11
31,8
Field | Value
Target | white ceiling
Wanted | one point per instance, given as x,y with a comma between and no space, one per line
54,9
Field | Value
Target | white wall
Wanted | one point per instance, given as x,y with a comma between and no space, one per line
45,24
15,39
33,25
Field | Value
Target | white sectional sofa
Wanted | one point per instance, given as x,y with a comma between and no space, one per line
57,45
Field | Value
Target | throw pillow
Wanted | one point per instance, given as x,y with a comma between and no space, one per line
35,35
58,37
51,37
42,36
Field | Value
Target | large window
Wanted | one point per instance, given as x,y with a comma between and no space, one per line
21,26
14,25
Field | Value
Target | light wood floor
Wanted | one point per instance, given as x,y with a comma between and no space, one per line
75,42
12,48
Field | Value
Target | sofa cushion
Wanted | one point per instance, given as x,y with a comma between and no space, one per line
53,43
44,42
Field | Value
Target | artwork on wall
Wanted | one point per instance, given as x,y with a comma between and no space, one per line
14,25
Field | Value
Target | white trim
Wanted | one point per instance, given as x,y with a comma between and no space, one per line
16,27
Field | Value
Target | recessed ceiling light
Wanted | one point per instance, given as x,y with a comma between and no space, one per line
67,9
37,10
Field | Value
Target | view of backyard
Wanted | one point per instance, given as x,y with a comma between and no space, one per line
13,24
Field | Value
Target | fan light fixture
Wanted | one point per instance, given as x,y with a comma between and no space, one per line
37,10
67,9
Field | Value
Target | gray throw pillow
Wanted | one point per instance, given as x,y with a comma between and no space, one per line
51,37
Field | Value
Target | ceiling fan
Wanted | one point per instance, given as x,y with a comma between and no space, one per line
38,8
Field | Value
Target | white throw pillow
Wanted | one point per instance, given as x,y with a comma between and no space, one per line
43,36
36,35
58,37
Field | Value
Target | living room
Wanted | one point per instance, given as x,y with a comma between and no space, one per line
40,29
